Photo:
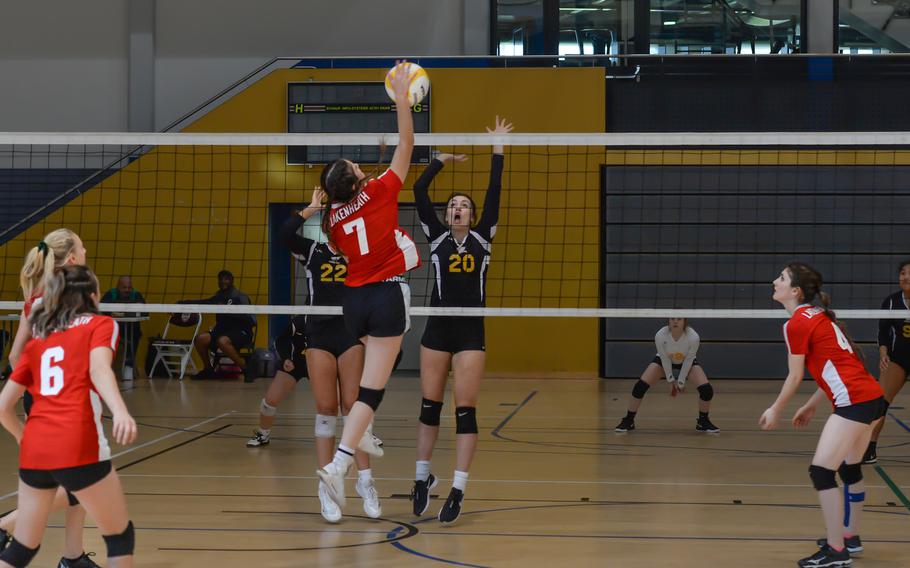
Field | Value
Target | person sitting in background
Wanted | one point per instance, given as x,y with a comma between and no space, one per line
124,293
231,331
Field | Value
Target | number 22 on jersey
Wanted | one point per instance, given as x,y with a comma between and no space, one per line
51,373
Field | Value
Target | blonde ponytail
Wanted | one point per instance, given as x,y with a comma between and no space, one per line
40,262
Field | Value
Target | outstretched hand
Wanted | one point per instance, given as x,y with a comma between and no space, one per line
401,81
500,126
445,158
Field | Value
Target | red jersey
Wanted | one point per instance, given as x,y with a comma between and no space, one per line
366,231
64,428
829,357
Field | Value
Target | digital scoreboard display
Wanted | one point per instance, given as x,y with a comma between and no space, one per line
348,108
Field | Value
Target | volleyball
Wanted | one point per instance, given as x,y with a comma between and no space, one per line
419,83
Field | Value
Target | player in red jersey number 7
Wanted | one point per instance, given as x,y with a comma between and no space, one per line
816,341
362,222
67,369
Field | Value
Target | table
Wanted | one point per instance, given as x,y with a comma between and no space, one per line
129,352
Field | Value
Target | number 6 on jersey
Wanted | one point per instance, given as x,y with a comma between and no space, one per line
361,228
51,375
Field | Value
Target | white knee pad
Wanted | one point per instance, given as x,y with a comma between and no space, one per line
266,410
325,425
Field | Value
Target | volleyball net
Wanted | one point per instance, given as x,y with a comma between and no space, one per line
625,227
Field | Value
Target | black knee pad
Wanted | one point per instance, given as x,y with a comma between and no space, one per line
121,544
465,420
73,501
850,473
430,411
17,554
706,392
822,478
370,397
640,388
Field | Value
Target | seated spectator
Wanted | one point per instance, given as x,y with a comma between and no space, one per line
130,332
231,331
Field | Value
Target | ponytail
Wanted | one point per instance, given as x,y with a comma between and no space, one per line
809,281
40,262
67,294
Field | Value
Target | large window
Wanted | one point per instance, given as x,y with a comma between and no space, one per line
725,26
594,27
519,27
865,27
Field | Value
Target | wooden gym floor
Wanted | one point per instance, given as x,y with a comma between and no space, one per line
552,484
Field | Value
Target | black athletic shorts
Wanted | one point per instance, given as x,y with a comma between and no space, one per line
379,309
240,336
330,335
70,478
291,346
454,334
676,366
865,412
27,401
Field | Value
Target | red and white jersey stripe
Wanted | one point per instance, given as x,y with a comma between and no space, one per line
64,426
829,357
367,233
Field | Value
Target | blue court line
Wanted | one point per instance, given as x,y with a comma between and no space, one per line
403,548
501,425
886,478
899,421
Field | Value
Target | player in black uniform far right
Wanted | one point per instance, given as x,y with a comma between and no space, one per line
460,254
893,350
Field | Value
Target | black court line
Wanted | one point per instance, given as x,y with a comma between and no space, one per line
174,447
409,531
505,421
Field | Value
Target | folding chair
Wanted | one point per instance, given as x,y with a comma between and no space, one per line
176,353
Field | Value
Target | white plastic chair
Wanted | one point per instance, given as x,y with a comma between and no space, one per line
176,353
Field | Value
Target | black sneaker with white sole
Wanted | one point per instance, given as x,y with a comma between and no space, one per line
871,455
83,561
625,425
705,425
827,557
451,510
420,494
854,544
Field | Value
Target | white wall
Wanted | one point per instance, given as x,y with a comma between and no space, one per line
64,63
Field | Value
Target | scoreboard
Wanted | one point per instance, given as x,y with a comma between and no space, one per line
354,107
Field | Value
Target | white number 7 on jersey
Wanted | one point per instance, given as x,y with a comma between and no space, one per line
361,228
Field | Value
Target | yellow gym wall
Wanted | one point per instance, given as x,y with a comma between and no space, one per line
176,216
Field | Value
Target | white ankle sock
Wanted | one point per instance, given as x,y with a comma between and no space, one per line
460,481
343,457
265,431
365,475
423,470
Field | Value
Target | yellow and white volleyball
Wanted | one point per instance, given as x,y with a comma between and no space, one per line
419,83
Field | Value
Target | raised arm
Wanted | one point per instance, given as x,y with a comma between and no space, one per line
429,221
401,160
288,232
490,216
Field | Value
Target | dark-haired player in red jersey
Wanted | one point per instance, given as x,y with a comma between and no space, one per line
362,222
817,342
67,370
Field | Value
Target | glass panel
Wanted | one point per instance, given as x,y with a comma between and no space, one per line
595,27
519,27
874,26
725,26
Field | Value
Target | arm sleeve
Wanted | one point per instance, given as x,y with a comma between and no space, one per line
432,226
22,373
884,326
690,356
796,334
490,216
665,362
297,244
105,334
